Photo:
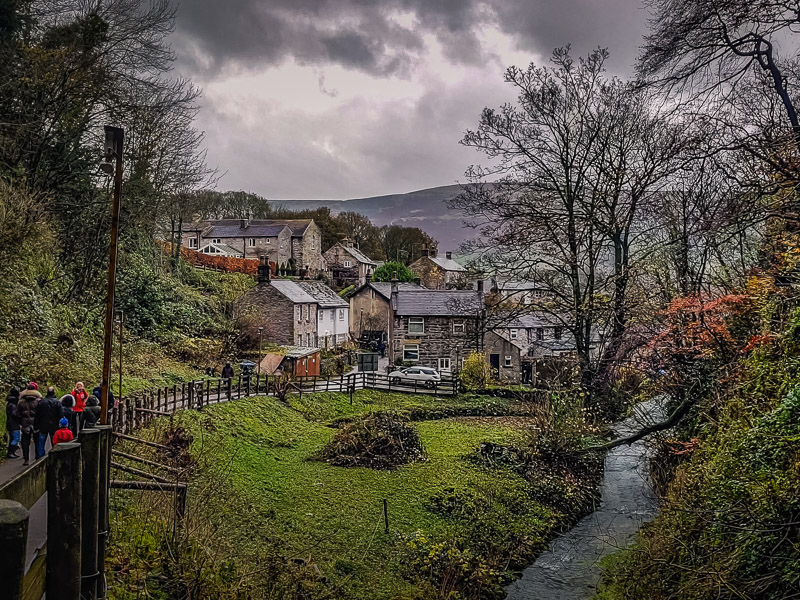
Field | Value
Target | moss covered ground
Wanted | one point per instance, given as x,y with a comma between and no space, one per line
259,498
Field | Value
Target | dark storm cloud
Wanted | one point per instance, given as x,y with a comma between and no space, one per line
362,34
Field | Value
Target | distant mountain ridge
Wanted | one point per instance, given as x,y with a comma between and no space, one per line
425,209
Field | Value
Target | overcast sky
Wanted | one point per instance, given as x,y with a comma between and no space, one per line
335,99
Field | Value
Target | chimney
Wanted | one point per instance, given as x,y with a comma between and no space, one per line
243,223
417,281
480,286
394,282
449,255
368,278
263,270
424,249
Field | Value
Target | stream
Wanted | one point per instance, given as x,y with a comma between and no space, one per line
570,569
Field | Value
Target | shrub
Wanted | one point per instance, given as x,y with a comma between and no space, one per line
476,372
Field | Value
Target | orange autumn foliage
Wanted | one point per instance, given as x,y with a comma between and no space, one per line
228,264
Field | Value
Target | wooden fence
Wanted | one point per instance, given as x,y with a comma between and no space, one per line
138,409
75,480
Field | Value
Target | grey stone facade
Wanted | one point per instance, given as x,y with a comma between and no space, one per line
284,321
443,343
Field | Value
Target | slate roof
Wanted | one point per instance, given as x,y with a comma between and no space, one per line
257,228
358,255
299,351
384,288
322,294
448,264
292,291
519,343
436,303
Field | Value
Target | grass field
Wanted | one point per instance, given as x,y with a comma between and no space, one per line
264,499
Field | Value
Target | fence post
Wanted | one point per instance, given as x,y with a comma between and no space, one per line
247,386
208,391
230,392
239,387
13,539
64,522
183,396
219,390
90,474
102,507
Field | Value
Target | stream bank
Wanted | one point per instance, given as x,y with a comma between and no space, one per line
570,568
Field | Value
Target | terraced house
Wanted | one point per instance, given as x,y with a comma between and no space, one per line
296,242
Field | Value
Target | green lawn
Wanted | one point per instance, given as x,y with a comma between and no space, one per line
262,489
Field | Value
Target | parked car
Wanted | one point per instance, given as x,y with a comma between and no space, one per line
425,375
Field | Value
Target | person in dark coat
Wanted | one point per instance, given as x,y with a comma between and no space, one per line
97,392
12,423
67,404
91,412
227,371
48,414
26,409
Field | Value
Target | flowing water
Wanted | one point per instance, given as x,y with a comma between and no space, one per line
569,569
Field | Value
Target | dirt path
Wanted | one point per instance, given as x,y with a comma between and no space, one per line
569,569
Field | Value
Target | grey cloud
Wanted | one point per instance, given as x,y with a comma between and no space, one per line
361,34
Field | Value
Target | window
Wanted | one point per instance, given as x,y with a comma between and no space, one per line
308,339
313,242
333,314
216,240
268,241
299,313
539,333
320,314
458,327
308,312
411,352
558,332
444,365
416,325
192,242
347,263
508,361
251,242
513,333
341,314
299,339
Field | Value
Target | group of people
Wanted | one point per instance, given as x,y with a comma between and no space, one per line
33,418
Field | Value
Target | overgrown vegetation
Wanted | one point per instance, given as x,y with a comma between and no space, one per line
458,527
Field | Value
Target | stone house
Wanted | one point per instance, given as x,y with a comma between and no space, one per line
439,273
505,356
294,313
435,328
347,265
282,241
370,306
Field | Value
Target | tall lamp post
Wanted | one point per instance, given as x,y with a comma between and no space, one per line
115,137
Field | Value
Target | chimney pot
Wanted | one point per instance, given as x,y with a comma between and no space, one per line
480,285
449,255
394,275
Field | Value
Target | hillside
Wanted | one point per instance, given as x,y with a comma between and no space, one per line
425,209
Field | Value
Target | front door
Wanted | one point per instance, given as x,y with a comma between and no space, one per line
494,362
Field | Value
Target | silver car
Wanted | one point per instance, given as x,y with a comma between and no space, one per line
424,375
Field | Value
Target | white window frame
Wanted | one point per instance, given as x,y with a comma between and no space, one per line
416,325
347,264
313,242
299,339
539,333
512,333
251,242
341,314
445,364
320,315
192,242
459,327
509,361
216,241
299,313
308,313
267,240
308,339
410,348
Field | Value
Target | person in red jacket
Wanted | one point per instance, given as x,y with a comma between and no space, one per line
63,434
81,396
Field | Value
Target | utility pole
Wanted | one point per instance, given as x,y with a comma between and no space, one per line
120,320
114,141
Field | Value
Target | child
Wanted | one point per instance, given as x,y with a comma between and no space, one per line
63,434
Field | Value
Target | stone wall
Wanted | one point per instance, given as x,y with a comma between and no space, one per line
308,250
438,340
494,344
264,306
376,315
430,274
